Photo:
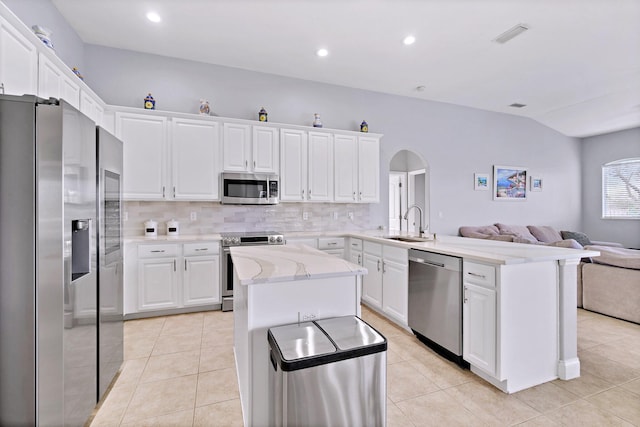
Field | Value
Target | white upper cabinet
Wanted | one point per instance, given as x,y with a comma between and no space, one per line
18,62
320,167
91,106
346,168
195,155
368,169
357,169
54,82
145,145
250,148
266,149
293,165
237,147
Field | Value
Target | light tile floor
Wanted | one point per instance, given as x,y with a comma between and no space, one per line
179,371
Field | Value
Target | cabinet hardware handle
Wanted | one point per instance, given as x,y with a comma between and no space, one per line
360,196
254,164
481,276
157,250
185,265
174,192
174,265
302,194
354,195
163,191
246,163
202,249
2,88
465,295
332,243
378,265
359,262
384,267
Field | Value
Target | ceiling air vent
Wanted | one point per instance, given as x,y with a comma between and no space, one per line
511,33
516,105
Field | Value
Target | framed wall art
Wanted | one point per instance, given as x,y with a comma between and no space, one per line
509,183
536,183
481,181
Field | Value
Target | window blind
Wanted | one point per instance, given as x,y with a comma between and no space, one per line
621,189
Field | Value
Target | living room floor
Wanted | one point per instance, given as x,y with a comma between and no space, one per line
179,371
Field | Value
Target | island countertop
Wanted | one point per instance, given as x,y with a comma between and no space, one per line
281,263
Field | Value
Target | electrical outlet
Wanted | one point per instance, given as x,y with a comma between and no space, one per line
350,215
335,215
194,216
305,216
307,317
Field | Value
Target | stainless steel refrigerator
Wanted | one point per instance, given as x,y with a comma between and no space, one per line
48,263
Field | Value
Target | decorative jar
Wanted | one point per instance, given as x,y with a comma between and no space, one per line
262,115
364,127
149,103
316,121
205,109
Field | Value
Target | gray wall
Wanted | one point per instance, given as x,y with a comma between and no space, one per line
455,141
597,151
68,46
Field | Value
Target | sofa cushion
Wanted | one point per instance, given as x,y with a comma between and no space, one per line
479,232
619,257
579,237
544,233
567,243
520,231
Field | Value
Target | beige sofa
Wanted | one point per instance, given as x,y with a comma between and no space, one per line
608,284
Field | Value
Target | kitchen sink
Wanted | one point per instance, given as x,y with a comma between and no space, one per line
407,239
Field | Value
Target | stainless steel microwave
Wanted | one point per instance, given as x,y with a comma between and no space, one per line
249,189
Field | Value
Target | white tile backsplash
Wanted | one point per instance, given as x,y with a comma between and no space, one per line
212,217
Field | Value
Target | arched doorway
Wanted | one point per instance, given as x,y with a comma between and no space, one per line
408,186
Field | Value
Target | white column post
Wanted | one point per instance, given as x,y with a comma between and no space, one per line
568,362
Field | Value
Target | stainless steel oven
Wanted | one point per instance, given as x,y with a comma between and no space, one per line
240,239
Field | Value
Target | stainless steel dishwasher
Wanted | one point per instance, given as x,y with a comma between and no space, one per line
435,302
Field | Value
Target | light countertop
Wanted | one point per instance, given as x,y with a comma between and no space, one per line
173,239
268,264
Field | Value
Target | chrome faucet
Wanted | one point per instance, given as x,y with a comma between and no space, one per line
406,214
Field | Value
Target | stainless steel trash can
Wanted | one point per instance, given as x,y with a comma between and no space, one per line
329,372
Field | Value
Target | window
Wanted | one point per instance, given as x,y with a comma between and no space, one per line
621,189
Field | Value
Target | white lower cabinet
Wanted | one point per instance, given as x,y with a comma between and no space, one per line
479,318
161,277
201,284
386,285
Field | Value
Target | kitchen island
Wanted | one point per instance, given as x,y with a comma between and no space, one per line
278,285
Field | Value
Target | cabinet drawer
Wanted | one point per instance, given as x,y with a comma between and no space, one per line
372,248
399,255
331,243
204,248
480,274
356,245
157,251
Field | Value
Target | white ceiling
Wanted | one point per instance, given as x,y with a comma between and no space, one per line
577,68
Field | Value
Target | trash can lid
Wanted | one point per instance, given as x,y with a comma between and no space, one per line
350,332
299,341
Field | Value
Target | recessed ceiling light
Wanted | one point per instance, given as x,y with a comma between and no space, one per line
153,17
421,88
409,40
517,105
322,52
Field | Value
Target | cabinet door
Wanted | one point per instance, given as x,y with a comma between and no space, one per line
368,170
293,165
157,281
195,147
479,327
201,284
91,106
372,282
356,258
266,149
320,167
144,150
395,290
53,82
345,168
237,145
18,62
